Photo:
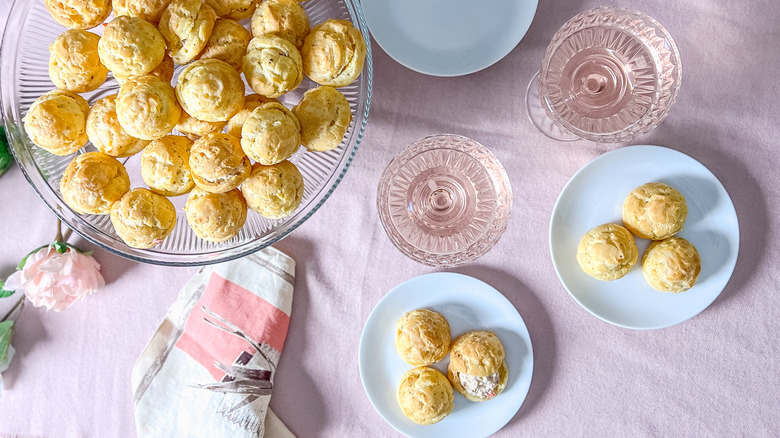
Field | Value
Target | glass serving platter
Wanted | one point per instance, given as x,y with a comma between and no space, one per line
25,56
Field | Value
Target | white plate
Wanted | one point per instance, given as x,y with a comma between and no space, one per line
468,304
595,195
448,37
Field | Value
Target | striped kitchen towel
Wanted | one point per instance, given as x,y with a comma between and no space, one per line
209,369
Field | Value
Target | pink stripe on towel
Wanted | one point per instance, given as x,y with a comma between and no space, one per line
255,317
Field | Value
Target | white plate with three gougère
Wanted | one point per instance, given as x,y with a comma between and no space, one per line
595,195
468,304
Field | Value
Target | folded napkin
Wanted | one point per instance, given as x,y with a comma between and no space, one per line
209,369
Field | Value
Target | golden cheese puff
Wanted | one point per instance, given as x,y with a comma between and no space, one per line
79,14
164,72
283,18
74,63
236,123
477,368
271,134
92,182
325,116
217,163
215,217
142,219
149,10
186,26
105,132
210,90
272,65
57,122
671,265
333,53
194,128
607,252
422,337
165,165
131,46
274,191
654,211
234,9
425,396
147,108
227,42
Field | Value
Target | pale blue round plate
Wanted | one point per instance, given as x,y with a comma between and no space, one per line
468,304
595,196
448,37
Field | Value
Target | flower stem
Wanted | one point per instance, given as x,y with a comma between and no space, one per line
60,237
19,302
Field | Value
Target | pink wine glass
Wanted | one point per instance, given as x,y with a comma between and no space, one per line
609,74
445,200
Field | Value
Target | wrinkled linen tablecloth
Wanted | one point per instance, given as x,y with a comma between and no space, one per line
714,375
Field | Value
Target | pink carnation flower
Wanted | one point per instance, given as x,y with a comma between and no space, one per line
56,280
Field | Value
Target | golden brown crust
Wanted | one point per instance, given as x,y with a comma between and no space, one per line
607,252
422,337
325,116
142,219
149,10
147,108
195,128
57,121
164,71
217,163
131,46
92,182
477,353
503,378
74,63
273,191
233,9
227,42
165,166
105,132
654,211
425,395
251,101
215,217
671,265
186,26
271,134
79,14
283,18
272,65
333,53
210,90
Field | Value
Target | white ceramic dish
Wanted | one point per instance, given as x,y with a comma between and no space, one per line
468,304
595,195
448,37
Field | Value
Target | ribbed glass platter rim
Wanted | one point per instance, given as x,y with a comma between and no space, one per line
498,177
591,18
11,55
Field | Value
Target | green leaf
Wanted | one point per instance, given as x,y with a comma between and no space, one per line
6,332
5,154
61,247
5,292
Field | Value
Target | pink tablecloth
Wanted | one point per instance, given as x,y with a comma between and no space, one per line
715,374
